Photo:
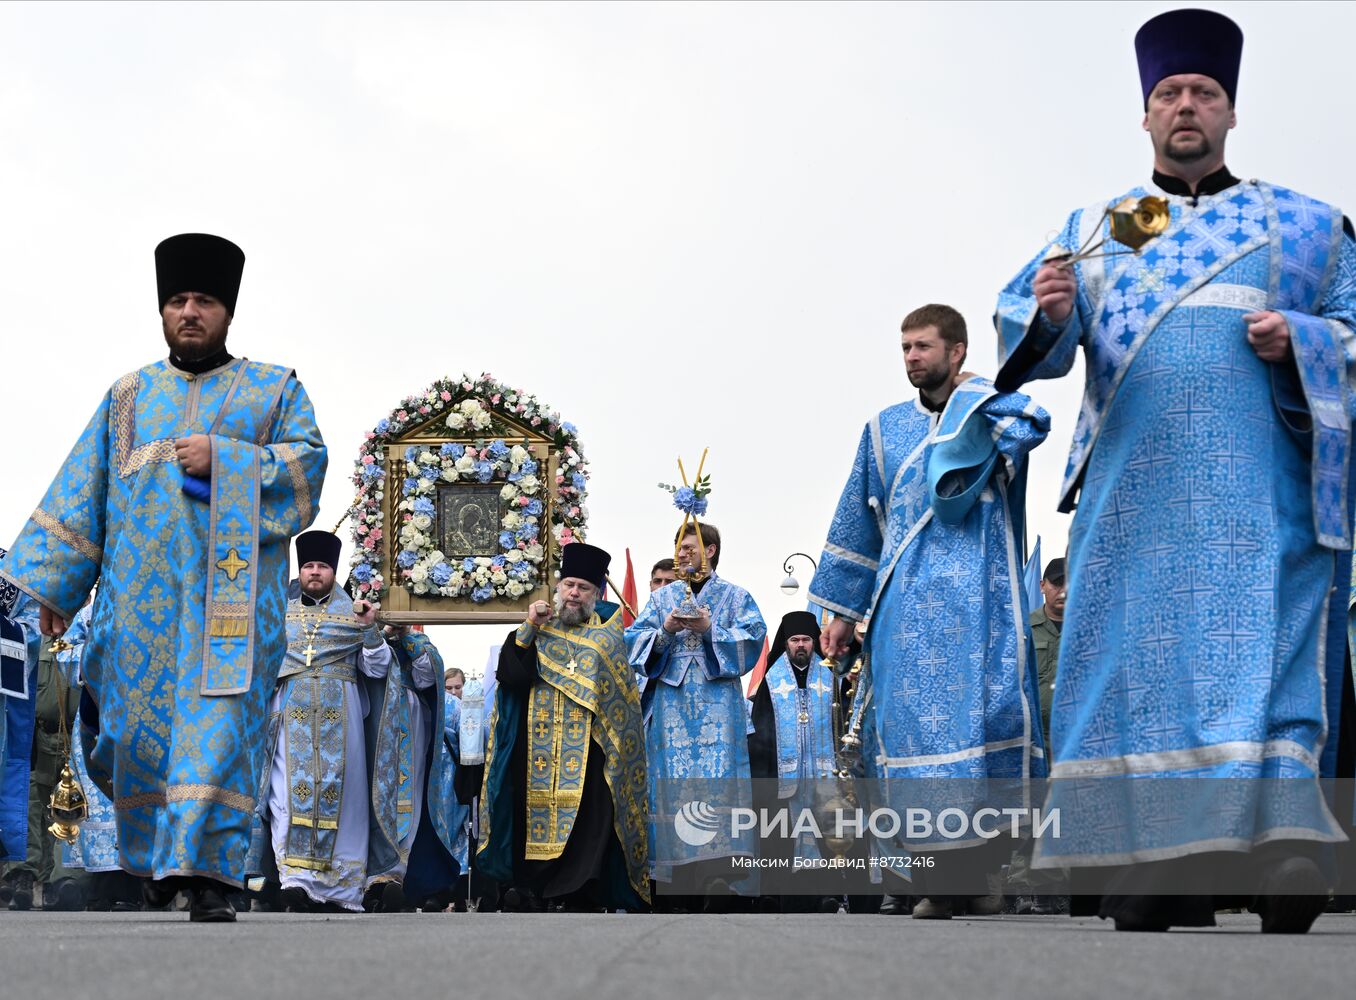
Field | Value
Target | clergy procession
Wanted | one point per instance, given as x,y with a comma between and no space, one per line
210,704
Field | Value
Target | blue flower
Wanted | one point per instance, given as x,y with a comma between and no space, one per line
361,572
529,468
533,509
527,533
506,539
425,506
578,481
411,484
430,472
452,451
498,562
484,471
482,594
685,499
513,477
440,574
373,471
406,559
383,425
498,450
468,565
411,454
569,428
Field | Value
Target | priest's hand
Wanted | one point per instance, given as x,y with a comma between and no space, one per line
50,623
836,636
195,455
365,613
1269,335
701,624
1055,288
538,614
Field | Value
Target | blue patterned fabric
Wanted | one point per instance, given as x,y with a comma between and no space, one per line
696,723
178,752
1213,518
96,849
805,746
927,545
450,817
20,614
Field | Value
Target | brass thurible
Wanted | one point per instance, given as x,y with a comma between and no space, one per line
1134,222
67,806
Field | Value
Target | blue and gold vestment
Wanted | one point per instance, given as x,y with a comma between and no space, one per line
187,630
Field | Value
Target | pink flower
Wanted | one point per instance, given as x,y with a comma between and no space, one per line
522,545
446,396
520,407
424,409
408,517
375,534
536,421
466,386
559,479
494,398
361,529
402,416
523,501
574,511
566,535
368,460
369,542
371,435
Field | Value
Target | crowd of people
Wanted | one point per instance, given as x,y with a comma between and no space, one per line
243,740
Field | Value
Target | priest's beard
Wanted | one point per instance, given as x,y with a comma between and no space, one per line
1202,150
929,380
800,658
574,616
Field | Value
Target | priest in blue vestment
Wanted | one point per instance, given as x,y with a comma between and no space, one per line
791,748
1210,552
696,719
927,546
178,500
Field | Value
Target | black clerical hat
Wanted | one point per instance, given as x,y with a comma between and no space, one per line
584,562
1189,41
794,623
318,546
199,262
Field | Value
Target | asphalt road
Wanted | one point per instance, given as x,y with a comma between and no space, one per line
562,956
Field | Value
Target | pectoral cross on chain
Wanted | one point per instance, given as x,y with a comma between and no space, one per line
573,665
310,651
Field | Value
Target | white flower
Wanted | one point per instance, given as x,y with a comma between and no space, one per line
420,588
514,556
466,463
429,458
455,421
456,580
515,589
512,521
482,561
449,472
499,578
509,492
534,552
481,421
528,484
518,455
419,573
426,486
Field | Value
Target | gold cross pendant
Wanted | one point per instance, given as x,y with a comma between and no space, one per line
310,651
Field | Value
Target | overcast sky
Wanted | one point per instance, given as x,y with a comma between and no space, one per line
681,225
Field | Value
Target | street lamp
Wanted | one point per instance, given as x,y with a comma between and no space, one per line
790,585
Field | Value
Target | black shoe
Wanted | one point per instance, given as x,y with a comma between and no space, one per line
517,900
6,892
22,885
159,894
294,900
64,895
895,906
123,906
210,905
831,904
1292,896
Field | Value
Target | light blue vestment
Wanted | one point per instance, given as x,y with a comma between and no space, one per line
96,849
187,631
927,545
696,724
1213,523
450,817
804,737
